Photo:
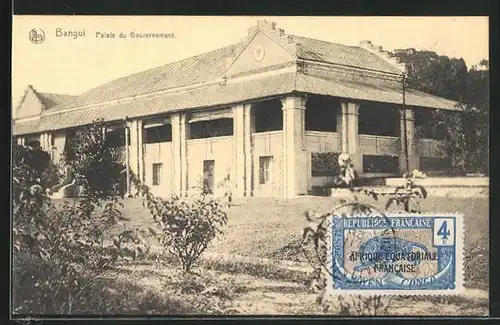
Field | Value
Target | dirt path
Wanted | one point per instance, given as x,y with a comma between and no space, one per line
251,295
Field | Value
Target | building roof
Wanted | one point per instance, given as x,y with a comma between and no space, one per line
211,65
47,100
128,96
50,100
194,70
225,94
353,56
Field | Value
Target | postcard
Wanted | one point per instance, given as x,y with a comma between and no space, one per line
250,165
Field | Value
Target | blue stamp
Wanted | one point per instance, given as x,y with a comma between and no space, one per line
398,254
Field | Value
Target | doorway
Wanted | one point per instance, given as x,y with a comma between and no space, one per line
208,176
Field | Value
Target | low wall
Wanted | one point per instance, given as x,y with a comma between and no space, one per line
460,192
443,181
465,187
444,191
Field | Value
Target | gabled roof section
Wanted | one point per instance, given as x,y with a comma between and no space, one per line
50,100
264,46
33,103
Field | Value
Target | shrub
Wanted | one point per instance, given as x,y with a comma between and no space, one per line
186,226
69,239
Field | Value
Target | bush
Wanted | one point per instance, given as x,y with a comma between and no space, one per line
69,239
186,226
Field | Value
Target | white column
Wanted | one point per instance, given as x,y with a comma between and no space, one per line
407,132
43,141
242,130
184,161
127,157
49,143
135,158
179,154
294,153
239,150
140,144
353,136
176,153
249,127
343,127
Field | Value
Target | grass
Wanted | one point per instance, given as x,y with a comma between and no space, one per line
37,291
270,228
233,281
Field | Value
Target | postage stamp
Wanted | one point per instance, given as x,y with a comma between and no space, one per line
399,254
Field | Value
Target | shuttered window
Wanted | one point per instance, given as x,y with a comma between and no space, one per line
265,167
157,173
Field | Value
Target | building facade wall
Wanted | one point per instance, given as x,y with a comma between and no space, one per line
220,151
267,144
238,159
155,153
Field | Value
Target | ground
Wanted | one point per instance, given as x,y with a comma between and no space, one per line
254,269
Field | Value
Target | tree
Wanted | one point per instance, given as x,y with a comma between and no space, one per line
466,132
435,74
95,161
30,167
60,249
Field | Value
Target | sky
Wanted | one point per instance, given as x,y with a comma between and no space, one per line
71,66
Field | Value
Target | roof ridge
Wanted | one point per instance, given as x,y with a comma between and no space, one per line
57,94
230,46
167,64
323,41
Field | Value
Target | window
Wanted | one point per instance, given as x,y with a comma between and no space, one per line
208,176
265,164
324,164
157,134
116,138
211,128
157,174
